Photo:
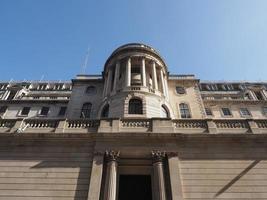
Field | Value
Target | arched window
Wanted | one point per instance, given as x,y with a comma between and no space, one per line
135,106
105,111
86,110
184,110
90,90
164,112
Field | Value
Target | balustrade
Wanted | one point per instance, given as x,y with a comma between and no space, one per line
157,125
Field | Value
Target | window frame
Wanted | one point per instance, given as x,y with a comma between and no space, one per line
223,114
264,110
181,87
90,90
41,110
184,115
87,111
135,108
246,110
60,111
209,109
22,110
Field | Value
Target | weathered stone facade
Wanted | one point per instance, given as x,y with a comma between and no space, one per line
76,140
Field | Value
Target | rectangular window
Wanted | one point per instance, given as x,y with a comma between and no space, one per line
264,110
25,111
244,112
3,110
226,112
44,111
208,111
62,111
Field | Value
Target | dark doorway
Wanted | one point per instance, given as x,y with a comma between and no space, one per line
135,187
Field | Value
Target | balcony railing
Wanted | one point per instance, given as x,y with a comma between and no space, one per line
153,125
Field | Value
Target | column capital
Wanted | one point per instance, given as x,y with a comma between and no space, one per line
158,156
112,155
172,154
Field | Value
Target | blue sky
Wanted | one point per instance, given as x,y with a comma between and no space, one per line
213,39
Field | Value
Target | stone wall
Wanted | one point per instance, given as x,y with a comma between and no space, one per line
44,169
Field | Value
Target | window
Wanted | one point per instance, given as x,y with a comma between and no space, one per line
208,111
180,90
86,110
62,111
226,112
164,113
135,70
184,111
264,110
11,95
44,111
244,112
135,106
259,95
105,111
90,90
3,109
25,111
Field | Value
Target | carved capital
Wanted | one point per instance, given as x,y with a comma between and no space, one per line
158,156
172,154
112,155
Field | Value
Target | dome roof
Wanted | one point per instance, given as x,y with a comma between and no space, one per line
139,47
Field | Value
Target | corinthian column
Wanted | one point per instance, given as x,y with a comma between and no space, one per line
158,172
111,175
154,75
116,77
143,68
163,83
128,73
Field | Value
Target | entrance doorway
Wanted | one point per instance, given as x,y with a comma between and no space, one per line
133,187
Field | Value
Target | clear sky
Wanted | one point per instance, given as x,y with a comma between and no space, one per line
213,39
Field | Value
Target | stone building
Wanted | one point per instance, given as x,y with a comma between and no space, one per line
134,132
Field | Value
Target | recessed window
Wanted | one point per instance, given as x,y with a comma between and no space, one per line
90,90
62,111
135,106
258,95
3,109
180,90
25,111
164,112
105,111
184,110
264,110
226,112
86,111
208,111
244,112
44,111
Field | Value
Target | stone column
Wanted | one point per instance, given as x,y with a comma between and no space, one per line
176,188
109,84
158,174
166,87
143,68
116,77
163,83
128,73
105,86
154,75
111,175
96,176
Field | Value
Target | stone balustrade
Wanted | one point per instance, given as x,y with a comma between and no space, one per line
153,125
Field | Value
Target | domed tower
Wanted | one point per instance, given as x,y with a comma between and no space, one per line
135,83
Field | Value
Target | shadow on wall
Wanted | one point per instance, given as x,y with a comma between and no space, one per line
49,169
228,168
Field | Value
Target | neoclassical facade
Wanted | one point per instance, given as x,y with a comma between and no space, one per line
134,132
